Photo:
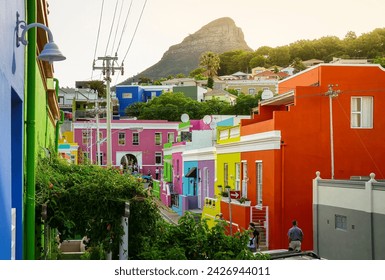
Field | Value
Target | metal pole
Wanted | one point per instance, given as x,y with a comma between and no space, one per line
230,213
331,136
108,69
331,93
97,134
108,96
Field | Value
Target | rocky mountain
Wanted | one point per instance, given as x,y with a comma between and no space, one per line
219,36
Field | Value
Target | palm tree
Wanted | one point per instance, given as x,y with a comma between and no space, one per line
210,61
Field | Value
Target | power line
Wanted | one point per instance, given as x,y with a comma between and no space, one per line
112,25
136,28
97,38
117,27
124,27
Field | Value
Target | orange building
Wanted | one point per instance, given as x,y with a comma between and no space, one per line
330,118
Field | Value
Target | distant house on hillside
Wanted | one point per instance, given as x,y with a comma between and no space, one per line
221,95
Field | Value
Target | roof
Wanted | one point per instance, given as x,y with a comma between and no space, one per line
279,99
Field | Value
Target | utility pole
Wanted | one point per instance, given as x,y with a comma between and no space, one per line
332,94
108,69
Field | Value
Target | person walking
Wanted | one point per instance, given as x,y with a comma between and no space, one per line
253,244
157,173
295,236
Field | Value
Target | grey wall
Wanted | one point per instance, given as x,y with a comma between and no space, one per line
363,239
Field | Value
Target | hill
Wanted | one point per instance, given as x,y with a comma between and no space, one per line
219,36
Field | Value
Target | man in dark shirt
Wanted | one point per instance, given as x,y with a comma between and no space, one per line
295,236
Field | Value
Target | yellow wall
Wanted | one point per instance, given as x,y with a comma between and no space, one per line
230,159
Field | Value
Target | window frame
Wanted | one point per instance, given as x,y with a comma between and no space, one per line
364,112
135,138
121,141
158,143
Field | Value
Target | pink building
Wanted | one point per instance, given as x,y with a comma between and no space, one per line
136,144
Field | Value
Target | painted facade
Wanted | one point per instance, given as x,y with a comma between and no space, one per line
349,218
12,101
29,111
130,94
133,142
300,143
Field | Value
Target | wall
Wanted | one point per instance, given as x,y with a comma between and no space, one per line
11,123
362,204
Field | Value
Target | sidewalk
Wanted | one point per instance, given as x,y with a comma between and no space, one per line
168,214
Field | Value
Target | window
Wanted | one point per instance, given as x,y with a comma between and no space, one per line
245,179
99,159
135,138
251,90
259,182
362,112
86,155
101,140
206,182
122,138
170,137
341,222
158,138
226,174
158,158
237,176
85,137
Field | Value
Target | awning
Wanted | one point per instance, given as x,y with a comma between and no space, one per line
192,173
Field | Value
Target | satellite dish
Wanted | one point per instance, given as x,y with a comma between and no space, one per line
207,119
266,94
185,118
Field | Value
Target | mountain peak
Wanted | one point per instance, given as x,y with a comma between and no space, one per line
219,36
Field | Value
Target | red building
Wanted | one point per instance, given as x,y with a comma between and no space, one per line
330,118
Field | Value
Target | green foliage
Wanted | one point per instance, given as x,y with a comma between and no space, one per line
87,200
369,45
193,240
98,86
211,62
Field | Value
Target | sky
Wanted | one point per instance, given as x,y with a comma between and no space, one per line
83,33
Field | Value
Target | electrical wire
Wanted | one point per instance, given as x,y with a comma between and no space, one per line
112,26
136,28
117,26
124,27
97,38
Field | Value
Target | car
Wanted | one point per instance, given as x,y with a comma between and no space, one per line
285,254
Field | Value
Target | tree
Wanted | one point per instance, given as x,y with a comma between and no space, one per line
98,86
298,65
88,200
211,62
194,240
135,109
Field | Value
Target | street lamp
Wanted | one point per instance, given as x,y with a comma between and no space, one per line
50,51
230,213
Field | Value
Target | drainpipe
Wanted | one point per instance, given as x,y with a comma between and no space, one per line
58,122
30,135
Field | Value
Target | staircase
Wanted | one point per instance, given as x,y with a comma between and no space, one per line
259,215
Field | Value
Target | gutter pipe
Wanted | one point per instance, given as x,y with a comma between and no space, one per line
30,135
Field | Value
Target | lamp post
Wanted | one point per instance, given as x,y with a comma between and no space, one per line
230,213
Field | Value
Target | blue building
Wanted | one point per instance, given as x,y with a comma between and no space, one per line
130,94
11,125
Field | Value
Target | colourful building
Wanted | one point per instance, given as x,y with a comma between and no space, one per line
30,118
136,144
327,118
